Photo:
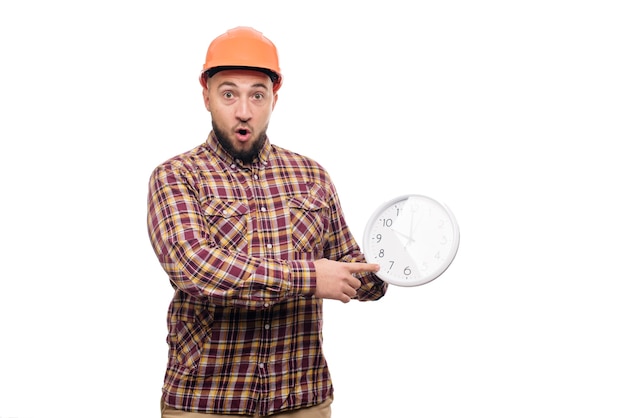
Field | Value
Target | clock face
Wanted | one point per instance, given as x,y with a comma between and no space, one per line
413,238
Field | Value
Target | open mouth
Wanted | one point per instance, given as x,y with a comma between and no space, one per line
243,134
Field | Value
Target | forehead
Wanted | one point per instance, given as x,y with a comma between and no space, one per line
241,78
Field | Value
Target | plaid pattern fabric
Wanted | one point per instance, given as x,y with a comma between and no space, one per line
238,243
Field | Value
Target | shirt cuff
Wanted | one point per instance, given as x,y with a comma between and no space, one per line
302,277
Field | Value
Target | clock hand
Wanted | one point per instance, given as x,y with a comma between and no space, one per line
401,233
415,228
409,238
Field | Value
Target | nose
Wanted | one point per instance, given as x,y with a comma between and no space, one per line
243,110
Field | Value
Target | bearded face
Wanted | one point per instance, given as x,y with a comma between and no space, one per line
241,102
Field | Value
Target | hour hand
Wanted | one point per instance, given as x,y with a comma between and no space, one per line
409,238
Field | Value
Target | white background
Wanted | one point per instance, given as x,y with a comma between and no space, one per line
510,112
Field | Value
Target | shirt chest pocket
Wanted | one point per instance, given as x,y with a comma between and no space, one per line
227,223
309,223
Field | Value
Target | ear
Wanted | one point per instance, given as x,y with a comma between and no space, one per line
275,100
205,97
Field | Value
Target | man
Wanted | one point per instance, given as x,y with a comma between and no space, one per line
253,238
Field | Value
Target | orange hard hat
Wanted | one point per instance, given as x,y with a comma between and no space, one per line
242,47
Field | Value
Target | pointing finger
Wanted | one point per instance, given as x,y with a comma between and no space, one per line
363,267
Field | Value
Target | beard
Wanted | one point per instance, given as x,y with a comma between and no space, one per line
246,155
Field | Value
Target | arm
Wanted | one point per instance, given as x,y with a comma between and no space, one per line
343,248
179,234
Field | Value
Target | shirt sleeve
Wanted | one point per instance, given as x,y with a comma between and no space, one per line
179,234
343,247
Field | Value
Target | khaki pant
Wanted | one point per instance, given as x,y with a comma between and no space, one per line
318,411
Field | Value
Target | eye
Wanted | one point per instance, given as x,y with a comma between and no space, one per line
258,96
228,95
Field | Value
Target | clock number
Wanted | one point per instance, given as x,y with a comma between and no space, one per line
407,271
390,266
387,222
381,253
379,238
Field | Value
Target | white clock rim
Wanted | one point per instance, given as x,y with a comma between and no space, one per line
435,274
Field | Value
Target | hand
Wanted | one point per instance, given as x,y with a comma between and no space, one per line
335,279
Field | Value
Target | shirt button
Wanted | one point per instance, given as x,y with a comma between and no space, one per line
269,245
233,165
261,365
267,326
267,305
263,209
256,177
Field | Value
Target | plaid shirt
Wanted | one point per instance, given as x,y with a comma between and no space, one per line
238,243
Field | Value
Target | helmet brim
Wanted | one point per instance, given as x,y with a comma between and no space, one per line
212,71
